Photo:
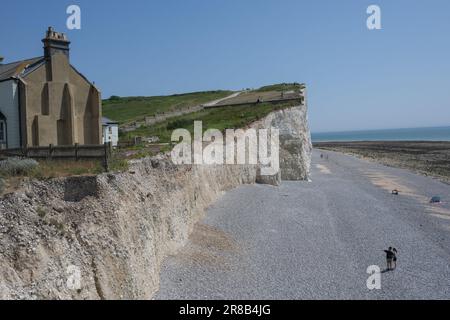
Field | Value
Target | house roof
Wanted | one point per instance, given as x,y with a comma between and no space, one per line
18,68
24,67
106,121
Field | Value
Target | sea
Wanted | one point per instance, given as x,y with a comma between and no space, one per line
409,134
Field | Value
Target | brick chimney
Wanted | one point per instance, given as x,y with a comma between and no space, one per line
55,42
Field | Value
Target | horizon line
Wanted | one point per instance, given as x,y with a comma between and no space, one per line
385,129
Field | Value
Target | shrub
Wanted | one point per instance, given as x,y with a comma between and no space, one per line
58,225
41,212
177,124
17,166
118,165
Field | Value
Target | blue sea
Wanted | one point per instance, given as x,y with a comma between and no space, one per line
412,134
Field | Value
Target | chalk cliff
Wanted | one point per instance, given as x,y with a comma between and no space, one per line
112,231
295,142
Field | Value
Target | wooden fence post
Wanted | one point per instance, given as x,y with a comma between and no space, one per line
105,158
76,151
50,151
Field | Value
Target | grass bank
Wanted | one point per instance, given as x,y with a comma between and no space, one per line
129,109
231,117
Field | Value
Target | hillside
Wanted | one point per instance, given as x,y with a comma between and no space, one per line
214,118
128,109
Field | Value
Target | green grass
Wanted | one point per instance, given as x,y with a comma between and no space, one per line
49,169
129,109
11,176
118,164
232,117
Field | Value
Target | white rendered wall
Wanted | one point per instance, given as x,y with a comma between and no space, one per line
9,106
112,137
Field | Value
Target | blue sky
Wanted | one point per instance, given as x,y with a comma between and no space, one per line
357,79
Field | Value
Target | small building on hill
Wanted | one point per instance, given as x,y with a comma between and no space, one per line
110,131
45,100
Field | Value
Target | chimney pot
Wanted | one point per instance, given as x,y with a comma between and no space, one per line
55,42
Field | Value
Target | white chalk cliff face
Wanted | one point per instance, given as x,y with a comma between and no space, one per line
295,141
114,230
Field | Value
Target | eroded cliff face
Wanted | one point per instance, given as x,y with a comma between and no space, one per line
295,141
114,230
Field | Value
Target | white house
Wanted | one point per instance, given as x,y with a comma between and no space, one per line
110,131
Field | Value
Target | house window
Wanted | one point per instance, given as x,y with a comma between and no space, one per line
2,131
110,130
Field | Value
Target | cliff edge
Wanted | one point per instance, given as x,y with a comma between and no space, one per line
105,236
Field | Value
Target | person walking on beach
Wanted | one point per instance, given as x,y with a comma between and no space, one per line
389,258
394,259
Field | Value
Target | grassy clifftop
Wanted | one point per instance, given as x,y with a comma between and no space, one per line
129,109
134,109
282,87
230,117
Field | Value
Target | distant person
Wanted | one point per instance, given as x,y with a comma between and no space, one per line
321,156
435,199
389,258
394,260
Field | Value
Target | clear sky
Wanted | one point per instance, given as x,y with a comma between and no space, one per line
357,79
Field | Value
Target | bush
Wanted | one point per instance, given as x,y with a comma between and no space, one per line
41,212
178,124
17,166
